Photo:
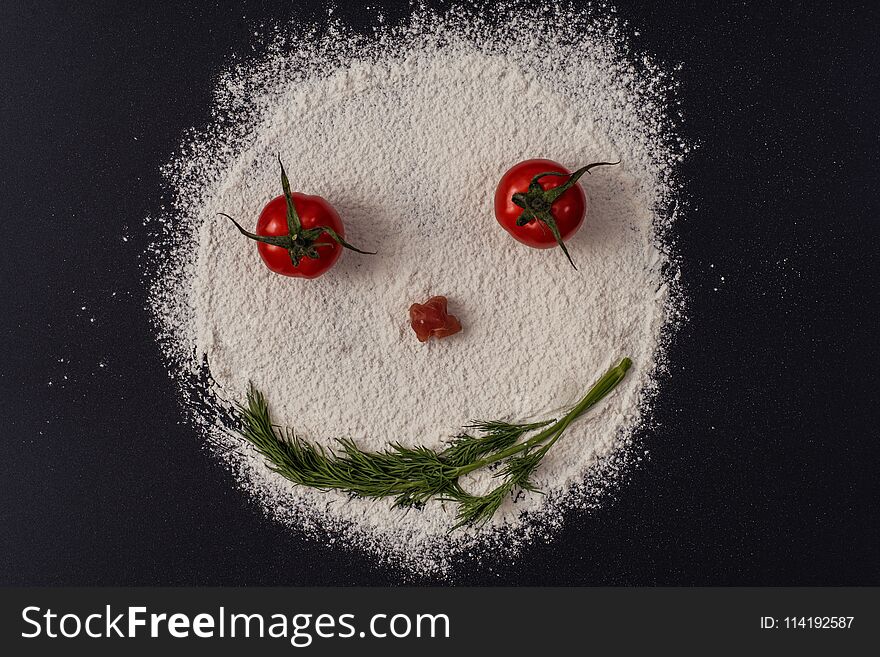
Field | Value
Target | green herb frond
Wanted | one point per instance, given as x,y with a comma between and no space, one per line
495,436
412,475
477,510
518,470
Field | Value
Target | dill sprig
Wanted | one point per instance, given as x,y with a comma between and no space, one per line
413,475
495,436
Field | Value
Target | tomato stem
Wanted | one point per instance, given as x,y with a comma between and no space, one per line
275,240
537,202
294,225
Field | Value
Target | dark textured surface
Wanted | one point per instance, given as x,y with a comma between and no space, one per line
763,463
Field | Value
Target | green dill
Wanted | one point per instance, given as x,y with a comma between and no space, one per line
411,476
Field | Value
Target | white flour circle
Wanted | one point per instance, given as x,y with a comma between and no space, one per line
406,135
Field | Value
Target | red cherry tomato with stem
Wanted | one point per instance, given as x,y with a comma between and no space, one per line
540,203
298,235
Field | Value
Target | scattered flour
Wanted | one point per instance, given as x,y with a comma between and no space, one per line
406,132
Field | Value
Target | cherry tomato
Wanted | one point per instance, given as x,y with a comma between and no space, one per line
313,211
297,234
568,210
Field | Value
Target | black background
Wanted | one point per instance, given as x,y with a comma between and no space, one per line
763,463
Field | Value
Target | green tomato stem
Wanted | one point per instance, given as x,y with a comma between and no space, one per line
294,225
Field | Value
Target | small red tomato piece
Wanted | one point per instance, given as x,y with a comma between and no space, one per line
432,319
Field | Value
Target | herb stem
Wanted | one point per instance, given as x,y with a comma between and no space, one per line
601,388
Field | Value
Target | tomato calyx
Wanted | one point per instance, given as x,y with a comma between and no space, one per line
300,242
537,202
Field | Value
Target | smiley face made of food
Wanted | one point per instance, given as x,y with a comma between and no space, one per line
412,148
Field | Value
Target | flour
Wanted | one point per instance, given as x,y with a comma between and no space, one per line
406,134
